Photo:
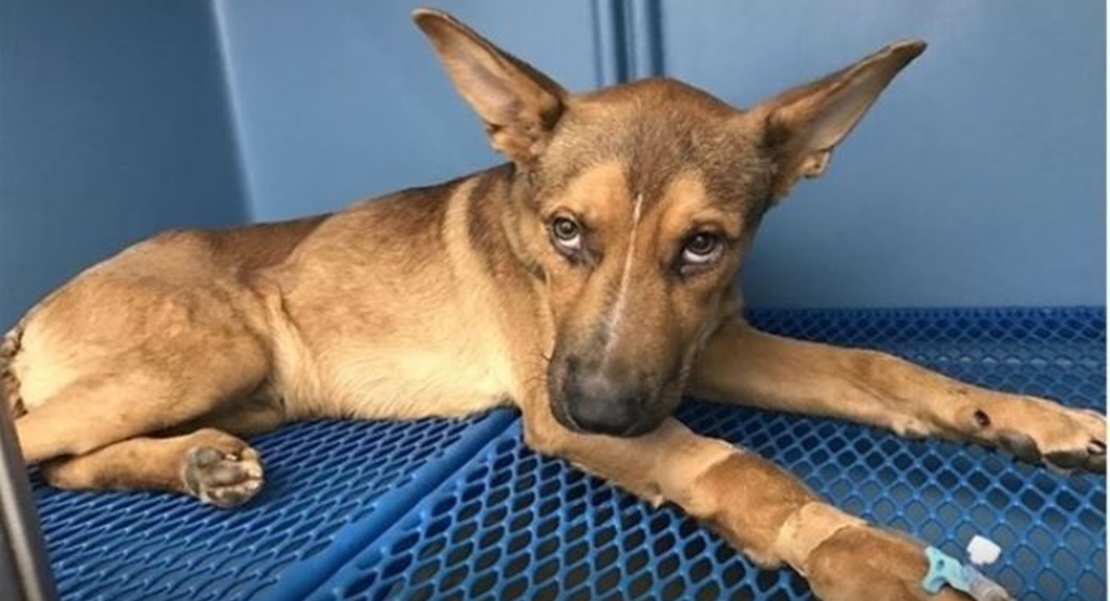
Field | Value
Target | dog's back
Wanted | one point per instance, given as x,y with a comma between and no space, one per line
357,313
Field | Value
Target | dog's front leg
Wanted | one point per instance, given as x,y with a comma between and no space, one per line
759,508
744,366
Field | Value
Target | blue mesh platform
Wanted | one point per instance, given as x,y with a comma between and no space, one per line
459,510
329,487
515,525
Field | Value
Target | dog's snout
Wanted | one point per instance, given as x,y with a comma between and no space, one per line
598,403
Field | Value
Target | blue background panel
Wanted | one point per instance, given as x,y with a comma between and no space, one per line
113,126
341,100
978,179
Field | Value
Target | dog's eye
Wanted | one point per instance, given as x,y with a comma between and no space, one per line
701,249
566,234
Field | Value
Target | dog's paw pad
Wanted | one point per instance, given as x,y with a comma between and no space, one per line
223,478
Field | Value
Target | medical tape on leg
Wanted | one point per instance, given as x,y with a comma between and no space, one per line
808,527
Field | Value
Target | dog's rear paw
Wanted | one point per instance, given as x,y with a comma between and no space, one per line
224,478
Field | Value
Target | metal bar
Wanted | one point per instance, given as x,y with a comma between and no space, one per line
24,567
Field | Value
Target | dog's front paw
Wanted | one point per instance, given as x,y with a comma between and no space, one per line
868,563
224,478
1035,430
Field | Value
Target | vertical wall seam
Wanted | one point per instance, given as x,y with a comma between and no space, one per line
645,38
628,40
233,106
610,57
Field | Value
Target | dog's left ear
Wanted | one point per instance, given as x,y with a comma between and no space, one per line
801,126
518,104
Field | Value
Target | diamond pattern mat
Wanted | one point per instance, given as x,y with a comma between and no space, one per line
514,525
443,509
329,486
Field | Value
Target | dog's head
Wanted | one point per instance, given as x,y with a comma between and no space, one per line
635,206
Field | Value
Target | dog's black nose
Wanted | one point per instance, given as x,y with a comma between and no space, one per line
605,416
598,405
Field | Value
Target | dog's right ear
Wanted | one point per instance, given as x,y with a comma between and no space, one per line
518,104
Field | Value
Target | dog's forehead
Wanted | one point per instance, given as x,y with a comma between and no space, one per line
659,130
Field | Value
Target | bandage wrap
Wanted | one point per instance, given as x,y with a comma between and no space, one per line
808,527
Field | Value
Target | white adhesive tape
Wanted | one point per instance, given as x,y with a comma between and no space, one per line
983,551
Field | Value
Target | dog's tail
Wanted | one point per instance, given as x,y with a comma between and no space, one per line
9,384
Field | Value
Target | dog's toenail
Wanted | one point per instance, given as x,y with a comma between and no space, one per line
982,419
1096,447
1066,460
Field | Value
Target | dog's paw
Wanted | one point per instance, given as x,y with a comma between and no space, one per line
1038,430
224,478
869,563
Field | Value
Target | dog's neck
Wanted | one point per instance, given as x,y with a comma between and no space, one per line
500,202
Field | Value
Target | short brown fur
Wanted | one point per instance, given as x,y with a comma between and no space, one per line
589,282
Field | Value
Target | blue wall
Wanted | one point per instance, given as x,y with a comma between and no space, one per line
977,180
113,125
343,99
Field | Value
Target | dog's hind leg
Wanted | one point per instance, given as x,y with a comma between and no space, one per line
146,392
214,466
744,366
96,411
164,333
91,374
116,396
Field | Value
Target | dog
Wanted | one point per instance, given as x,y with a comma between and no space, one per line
589,281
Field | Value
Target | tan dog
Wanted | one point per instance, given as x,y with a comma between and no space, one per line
589,282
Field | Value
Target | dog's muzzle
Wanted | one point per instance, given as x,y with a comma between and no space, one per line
594,403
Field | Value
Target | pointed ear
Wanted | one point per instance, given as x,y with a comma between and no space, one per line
518,104
802,125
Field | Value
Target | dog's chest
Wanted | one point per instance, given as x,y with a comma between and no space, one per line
402,324
364,366
377,382
370,378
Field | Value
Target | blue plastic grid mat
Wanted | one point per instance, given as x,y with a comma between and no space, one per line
452,510
329,486
515,525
